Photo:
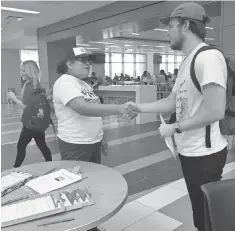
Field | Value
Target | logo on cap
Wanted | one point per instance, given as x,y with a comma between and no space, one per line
79,51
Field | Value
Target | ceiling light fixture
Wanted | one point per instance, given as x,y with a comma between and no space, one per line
209,39
159,46
146,45
113,46
127,45
135,33
159,29
84,45
209,28
101,42
20,10
92,48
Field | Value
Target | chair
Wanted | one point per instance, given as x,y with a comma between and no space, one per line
219,198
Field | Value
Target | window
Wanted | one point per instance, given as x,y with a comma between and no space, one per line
129,69
171,67
128,58
131,64
179,58
107,57
140,68
178,65
116,57
171,59
106,67
116,69
164,59
163,66
171,62
140,58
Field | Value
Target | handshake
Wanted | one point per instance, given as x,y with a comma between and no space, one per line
130,110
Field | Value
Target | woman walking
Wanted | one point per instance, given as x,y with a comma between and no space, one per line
30,73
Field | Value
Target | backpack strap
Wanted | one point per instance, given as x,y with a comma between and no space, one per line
197,85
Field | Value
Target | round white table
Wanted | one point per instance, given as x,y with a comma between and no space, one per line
108,189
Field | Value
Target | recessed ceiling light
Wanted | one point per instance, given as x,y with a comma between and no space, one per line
209,28
135,34
127,45
113,46
159,29
146,45
20,10
84,45
101,42
92,48
159,46
209,39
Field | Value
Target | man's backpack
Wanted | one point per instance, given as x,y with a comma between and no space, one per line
36,116
227,124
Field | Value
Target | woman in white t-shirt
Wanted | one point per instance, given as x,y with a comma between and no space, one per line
79,112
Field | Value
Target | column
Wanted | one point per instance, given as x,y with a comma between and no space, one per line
10,72
228,28
50,54
150,63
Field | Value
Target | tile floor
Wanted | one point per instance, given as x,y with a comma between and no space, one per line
158,198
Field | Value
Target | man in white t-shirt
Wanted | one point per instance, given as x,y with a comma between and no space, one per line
194,111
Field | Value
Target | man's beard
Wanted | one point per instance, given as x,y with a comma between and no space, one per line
177,45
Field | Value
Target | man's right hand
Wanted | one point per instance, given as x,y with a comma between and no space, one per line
132,110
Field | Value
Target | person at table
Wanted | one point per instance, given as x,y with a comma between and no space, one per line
162,73
146,78
174,76
116,78
30,73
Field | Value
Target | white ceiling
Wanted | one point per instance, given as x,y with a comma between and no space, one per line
148,40
21,34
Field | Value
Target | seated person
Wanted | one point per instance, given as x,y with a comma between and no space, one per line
174,76
146,78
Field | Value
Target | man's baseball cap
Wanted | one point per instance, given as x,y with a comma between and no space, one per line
190,10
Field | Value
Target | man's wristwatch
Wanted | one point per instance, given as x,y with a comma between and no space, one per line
177,127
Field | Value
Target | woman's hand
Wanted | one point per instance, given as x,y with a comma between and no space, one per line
11,95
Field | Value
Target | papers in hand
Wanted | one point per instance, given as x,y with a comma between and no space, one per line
169,141
53,181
